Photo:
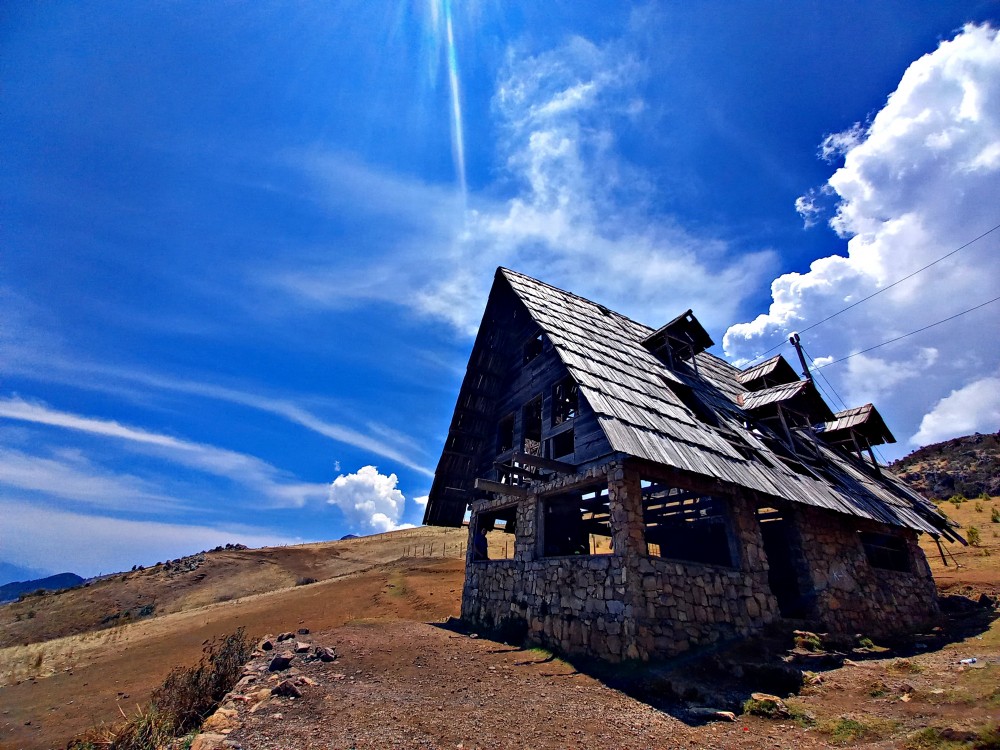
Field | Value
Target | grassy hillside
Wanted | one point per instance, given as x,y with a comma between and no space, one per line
209,578
967,466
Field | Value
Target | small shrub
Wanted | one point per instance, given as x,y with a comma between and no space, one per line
878,689
989,738
905,665
31,614
974,537
866,643
995,515
305,581
768,709
808,641
189,695
932,738
978,506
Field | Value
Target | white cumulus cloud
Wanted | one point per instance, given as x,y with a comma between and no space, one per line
918,182
974,408
370,501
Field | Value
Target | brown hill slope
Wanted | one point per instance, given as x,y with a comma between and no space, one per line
208,578
71,668
967,465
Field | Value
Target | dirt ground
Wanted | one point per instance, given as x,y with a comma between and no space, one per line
91,676
403,681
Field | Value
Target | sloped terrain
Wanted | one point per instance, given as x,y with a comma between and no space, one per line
209,578
52,689
11,591
967,465
404,679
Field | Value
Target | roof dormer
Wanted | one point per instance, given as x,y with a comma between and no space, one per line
679,340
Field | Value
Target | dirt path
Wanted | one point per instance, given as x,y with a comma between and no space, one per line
417,685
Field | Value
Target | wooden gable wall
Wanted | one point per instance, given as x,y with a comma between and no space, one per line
498,383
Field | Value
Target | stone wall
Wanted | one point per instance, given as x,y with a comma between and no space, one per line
628,605
624,605
851,596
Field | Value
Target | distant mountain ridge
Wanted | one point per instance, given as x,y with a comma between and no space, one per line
967,466
9,592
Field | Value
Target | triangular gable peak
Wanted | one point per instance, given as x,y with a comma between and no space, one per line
518,415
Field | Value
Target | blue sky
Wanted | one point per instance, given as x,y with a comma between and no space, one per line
244,247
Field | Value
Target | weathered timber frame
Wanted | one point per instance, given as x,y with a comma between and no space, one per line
660,498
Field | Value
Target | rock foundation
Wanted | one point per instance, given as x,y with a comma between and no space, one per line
630,605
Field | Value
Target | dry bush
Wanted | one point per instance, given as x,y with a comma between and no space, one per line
188,695
180,704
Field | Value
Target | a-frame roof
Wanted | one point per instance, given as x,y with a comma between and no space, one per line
639,403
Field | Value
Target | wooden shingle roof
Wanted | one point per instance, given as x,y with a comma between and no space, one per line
640,405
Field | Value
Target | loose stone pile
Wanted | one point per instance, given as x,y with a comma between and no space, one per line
274,676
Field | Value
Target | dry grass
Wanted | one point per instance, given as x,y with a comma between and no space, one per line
180,704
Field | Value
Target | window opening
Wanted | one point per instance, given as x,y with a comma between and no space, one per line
499,528
577,523
533,348
886,551
784,559
531,423
685,525
565,401
562,445
505,434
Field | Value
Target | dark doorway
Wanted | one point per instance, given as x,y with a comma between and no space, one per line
781,545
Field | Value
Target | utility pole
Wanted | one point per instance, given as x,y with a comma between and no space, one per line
794,341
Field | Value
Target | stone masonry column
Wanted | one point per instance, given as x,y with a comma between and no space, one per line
627,527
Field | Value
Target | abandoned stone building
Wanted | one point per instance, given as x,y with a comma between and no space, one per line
658,498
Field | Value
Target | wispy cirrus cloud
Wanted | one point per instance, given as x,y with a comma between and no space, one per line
70,475
378,439
264,479
567,206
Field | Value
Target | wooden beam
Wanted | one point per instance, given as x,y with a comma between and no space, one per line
519,471
559,467
501,489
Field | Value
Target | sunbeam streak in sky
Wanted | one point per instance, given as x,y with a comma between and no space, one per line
457,136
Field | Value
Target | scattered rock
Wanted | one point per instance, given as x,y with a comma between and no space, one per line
285,637
301,647
325,653
711,714
287,689
223,721
303,631
208,741
303,680
265,645
280,662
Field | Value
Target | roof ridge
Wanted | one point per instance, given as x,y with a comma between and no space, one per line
505,271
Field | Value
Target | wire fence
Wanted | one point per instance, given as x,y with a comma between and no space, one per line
435,549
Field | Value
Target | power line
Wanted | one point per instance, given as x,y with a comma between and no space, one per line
843,404
879,291
905,335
